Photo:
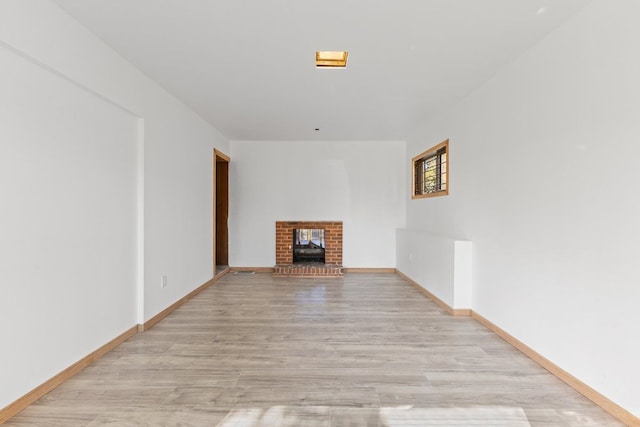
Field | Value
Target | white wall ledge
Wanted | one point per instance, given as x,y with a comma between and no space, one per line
441,265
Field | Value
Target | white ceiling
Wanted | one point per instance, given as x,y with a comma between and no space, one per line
247,66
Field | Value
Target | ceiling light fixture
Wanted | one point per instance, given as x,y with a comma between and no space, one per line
331,59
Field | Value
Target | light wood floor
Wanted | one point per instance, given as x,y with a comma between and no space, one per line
364,350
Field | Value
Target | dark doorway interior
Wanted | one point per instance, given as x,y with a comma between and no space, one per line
221,209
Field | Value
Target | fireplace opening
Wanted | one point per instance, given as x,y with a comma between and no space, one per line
308,245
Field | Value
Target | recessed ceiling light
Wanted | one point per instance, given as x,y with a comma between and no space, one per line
331,59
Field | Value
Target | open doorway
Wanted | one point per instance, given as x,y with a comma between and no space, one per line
220,211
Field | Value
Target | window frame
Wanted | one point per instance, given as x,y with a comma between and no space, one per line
420,159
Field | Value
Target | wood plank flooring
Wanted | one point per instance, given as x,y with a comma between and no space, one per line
363,350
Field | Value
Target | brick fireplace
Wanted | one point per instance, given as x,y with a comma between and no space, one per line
332,240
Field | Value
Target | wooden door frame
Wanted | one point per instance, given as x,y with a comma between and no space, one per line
217,154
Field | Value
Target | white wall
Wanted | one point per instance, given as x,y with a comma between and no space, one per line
68,195
71,110
359,183
544,181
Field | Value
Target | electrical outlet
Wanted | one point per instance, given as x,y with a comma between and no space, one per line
163,281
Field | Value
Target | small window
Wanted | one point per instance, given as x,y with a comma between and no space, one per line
431,172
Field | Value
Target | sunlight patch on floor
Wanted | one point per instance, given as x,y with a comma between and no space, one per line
289,416
481,416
